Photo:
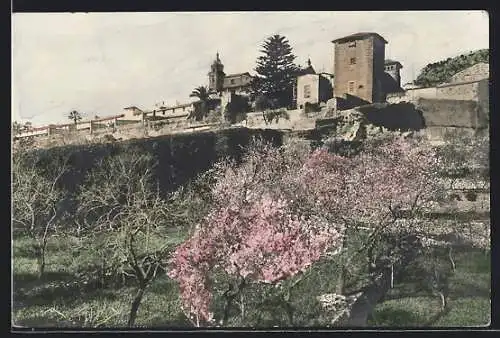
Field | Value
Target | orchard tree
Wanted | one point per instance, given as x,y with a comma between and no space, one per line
125,219
248,237
320,202
36,203
276,72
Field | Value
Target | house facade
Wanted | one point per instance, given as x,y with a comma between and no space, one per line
314,89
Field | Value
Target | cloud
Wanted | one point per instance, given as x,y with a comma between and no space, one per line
102,62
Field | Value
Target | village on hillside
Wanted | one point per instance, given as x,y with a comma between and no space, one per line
362,77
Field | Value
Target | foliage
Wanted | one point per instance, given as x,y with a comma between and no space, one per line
35,302
22,143
201,108
263,103
311,107
274,115
280,196
238,105
442,71
75,116
464,155
16,128
276,71
36,203
126,220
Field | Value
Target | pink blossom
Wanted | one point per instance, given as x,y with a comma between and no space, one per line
281,210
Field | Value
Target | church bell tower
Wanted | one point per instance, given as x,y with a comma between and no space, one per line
216,75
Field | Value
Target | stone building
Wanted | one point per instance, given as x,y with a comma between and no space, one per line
312,87
216,75
304,71
227,86
132,113
359,67
391,82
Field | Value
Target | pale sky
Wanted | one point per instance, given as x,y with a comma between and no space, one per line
99,63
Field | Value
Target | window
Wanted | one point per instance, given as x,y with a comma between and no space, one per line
350,87
307,91
232,81
353,61
352,44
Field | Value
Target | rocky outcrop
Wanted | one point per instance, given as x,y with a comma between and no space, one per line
355,125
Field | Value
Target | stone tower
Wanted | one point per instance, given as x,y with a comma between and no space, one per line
216,75
359,66
392,68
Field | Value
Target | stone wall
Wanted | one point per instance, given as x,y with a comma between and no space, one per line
477,72
180,157
402,116
452,113
438,133
475,91
463,91
297,120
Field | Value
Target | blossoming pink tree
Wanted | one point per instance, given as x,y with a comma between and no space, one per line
283,209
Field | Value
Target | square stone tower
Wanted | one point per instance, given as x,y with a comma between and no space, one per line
359,67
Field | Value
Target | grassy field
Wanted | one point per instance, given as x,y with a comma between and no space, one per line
57,300
469,295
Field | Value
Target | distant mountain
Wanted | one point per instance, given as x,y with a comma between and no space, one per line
440,72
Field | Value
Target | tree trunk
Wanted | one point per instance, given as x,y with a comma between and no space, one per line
242,307
365,304
341,278
40,261
41,266
289,313
135,305
340,281
450,257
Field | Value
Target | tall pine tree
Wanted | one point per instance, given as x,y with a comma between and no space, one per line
276,72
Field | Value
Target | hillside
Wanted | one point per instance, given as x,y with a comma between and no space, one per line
440,72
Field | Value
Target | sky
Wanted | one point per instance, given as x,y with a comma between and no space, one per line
99,63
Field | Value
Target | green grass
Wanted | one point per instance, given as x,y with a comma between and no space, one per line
60,300
469,294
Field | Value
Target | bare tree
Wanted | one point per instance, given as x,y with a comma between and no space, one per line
36,203
121,209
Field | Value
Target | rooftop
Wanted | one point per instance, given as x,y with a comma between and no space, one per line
392,62
359,36
238,74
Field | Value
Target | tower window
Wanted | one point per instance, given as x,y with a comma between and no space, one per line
307,91
352,61
350,87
